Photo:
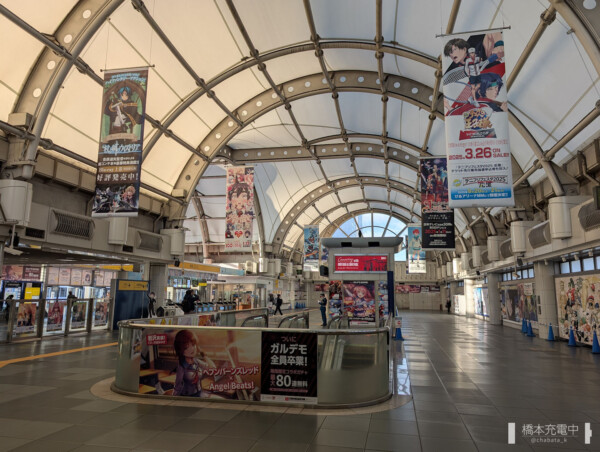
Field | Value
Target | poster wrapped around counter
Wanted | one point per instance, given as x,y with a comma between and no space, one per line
201,363
578,303
121,141
289,367
335,298
239,208
359,302
311,248
415,255
382,298
56,312
519,302
437,219
476,110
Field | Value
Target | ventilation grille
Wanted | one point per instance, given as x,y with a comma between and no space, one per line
149,242
540,235
484,258
72,225
589,216
506,249
35,233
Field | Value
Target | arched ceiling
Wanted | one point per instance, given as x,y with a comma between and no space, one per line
313,93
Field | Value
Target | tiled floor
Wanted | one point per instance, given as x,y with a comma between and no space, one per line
468,380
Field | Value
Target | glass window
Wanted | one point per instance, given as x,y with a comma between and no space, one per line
531,273
338,234
519,274
575,266
378,232
588,264
565,267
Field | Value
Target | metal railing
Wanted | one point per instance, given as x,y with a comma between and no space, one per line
34,319
294,320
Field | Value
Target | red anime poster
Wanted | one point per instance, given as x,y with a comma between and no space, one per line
359,302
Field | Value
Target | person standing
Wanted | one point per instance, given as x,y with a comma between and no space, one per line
323,307
278,303
151,303
448,304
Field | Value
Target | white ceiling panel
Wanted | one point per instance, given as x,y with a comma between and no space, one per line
349,18
370,166
214,207
193,234
350,194
291,67
337,168
316,115
7,99
165,169
216,230
376,192
362,112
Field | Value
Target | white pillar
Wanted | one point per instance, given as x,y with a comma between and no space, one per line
158,275
469,299
546,292
494,307
453,291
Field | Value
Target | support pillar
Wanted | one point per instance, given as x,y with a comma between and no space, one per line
494,307
546,292
453,291
158,277
469,298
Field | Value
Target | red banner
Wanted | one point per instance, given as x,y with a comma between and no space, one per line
361,263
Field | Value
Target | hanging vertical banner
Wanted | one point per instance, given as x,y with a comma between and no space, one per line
476,110
311,248
121,136
239,208
414,250
437,219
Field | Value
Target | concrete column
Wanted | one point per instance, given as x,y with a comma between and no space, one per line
444,294
546,293
494,307
469,299
158,275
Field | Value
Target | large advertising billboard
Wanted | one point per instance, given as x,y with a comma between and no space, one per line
437,219
359,302
476,111
578,303
359,263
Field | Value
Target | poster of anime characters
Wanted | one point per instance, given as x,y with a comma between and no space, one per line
86,277
382,299
100,313
12,273
201,363
519,302
480,297
476,110
311,248
578,302
414,251
121,141
335,298
437,222
324,255
78,314
359,302
239,208
56,312
26,318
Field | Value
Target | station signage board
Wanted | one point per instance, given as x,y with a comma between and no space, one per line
361,263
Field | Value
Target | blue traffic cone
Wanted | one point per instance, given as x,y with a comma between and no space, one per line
550,333
572,342
595,344
530,330
523,326
398,336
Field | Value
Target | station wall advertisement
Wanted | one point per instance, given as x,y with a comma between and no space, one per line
480,298
476,110
359,302
21,273
460,305
234,364
356,263
437,219
578,303
519,302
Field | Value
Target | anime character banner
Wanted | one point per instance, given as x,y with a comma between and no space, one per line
578,300
239,208
382,297
78,314
335,298
359,302
26,313
476,110
121,141
311,248
55,316
414,251
437,219
201,363
519,302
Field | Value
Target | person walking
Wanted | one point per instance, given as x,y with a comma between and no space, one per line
323,308
278,303
151,303
448,304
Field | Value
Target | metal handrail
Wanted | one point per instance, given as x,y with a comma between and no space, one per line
264,317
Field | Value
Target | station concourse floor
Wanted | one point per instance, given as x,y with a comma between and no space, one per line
467,380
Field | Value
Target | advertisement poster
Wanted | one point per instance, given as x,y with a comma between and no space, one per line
324,255
76,276
86,277
32,273
26,318
201,363
99,276
78,314
239,208
476,110
408,288
12,273
360,263
382,297
311,248
121,141
101,313
359,302
578,302
335,298
480,297
64,276
437,219
460,306
289,367
517,304
56,312
414,252
52,277
321,287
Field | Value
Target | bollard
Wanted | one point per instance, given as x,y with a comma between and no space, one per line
550,333
572,342
595,344
523,326
530,330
